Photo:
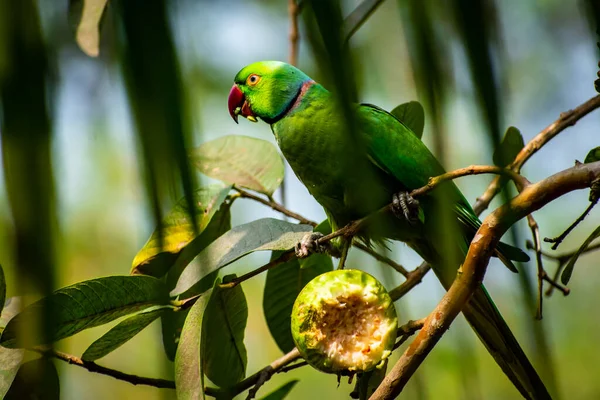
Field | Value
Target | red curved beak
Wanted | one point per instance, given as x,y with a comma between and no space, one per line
238,105
235,102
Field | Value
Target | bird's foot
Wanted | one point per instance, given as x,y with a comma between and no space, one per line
310,245
406,207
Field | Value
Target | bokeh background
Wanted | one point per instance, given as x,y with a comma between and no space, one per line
549,65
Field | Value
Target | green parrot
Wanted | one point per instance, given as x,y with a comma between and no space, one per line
353,168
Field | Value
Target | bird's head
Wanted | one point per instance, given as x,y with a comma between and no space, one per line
265,90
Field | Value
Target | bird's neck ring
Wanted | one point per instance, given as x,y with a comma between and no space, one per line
294,102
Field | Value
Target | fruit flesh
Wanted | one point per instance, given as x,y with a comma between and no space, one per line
344,321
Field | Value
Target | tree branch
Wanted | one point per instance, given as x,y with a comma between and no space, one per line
413,279
354,227
563,259
350,230
471,274
280,208
93,367
537,243
293,11
565,120
255,381
559,239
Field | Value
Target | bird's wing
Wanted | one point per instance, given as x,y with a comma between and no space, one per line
395,149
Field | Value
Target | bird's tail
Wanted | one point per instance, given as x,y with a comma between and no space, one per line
486,321
488,324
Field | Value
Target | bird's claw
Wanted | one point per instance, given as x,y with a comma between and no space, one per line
310,245
405,207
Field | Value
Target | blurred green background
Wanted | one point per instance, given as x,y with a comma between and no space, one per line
548,67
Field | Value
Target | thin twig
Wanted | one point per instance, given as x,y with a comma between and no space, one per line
275,206
293,11
566,256
472,272
93,367
562,260
565,120
535,232
285,257
407,330
382,258
255,381
401,341
552,281
292,367
344,255
519,180
413,279
559,239
411,327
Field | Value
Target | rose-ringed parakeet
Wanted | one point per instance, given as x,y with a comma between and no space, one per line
353,168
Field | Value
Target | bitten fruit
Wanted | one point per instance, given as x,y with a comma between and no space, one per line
344,321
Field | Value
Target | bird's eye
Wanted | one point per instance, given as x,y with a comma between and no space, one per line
253,79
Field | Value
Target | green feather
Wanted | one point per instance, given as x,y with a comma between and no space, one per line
352,177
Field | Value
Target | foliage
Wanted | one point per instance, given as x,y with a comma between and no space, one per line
175,277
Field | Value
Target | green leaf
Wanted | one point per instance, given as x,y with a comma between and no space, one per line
36,379
219,225
358,16
367,382
324,227
241,160
10,359
223,354
568,271
85,305
85,16
178,232
262,234
511,145
593,155
157,101
189,378
282,286
2,288
282,391
171,324
120,334
412,115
